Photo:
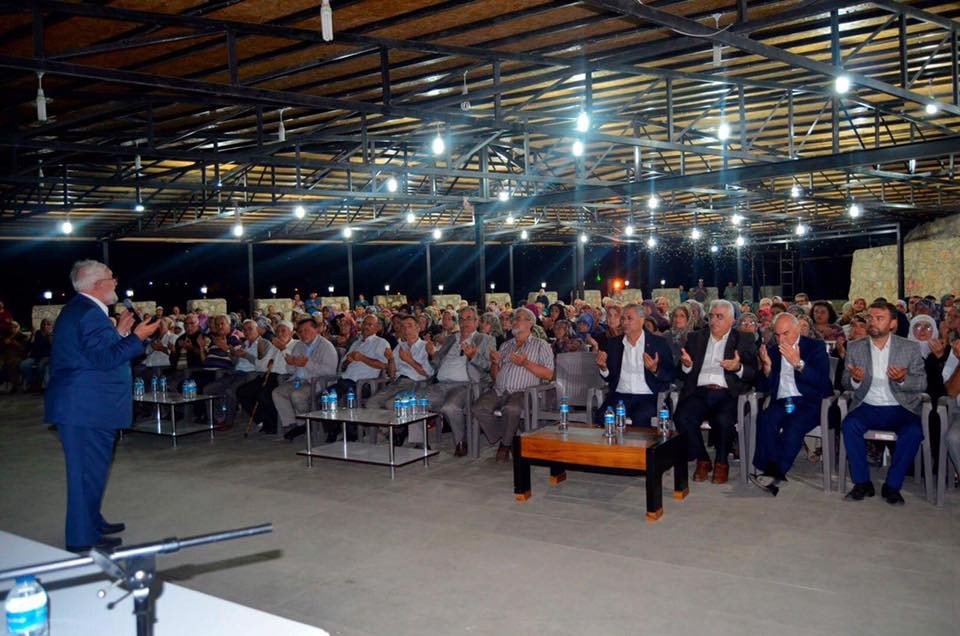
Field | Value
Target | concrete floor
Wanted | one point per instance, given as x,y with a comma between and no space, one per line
447,550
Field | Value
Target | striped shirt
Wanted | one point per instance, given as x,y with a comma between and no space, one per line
511,377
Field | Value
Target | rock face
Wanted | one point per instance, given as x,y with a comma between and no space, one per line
931,263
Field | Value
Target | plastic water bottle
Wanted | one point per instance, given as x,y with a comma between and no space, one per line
27,608
564,412
190,388
609,423
138,387
163,384
789,407
297,382
423,404
351,399
324,402
334,399
155,385
664,423
621,414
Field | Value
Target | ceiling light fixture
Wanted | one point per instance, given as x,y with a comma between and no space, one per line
439,145
653,202
392,184
696,234
510,219
326,21
628,230
740,242
842,84
652,242
437,233
41,100
795,191
584,238
737,218
723,131
524,235
504,195
577,148
347,232
299,211
411,217
583,121
714,249
854,210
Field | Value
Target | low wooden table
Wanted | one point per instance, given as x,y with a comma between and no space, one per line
637,449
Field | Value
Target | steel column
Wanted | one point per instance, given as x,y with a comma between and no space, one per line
350,274
740,274
429,278
251,290
481,263
901,286
581,270
105,247
511,274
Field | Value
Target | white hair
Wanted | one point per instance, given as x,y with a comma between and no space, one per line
720,302
523,311
793,319
85,274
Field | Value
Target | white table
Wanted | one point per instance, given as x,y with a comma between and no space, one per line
169,428
75,610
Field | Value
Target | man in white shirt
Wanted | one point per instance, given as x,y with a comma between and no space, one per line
887,377
365,359
256,396
796,373
312,358
717,365
245,360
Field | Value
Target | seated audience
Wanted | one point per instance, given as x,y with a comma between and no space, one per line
795,372
564,340
522,362
716,366
885,373
34,368
256,396
246,356
636,366
490,325
313,357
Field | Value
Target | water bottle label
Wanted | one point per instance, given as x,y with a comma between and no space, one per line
564,408
664,414
27,620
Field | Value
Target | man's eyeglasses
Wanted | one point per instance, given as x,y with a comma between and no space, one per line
113,278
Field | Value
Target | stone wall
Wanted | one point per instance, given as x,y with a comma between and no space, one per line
209,306
929,267
283,306
551,296
339,303
445,300
43,311
390,300
501,299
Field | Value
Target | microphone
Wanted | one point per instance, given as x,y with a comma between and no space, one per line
129,305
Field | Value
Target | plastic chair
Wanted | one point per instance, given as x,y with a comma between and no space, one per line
946,408
527,417
746,423
578,379
922,460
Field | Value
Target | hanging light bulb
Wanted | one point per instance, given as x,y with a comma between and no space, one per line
238,229
842,84
510,219
137,164
299,211
347,232
504,195
524,235
696,234
628,230
411,217
932,108
740,242
203,290
584,238
392,184
723,131
801,228
737,218
577,148
653,202
583,121
795,191
330,289
626,283
138,208
386,287
437,234
282,130
651,241
714,249
854,210
66,227
326,21
41,100
465,104
273,290
439,145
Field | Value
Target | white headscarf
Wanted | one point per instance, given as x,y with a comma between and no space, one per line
924,344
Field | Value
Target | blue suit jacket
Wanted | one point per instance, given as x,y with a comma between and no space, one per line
90,378
652,345
814,383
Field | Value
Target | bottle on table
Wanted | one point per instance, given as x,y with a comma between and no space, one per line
609,423
398,407
163,384
138,387
351,399
334,399
621,414
155,385
27,608
296,382
664,423
423,404
789,407
564,412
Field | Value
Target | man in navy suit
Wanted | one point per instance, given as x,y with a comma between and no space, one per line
795,372
89,396
716,366
637,367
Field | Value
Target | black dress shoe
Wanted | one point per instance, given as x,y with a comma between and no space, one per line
766,483
460,450
891,495
859,491
294,432
112,528
772,470
104,543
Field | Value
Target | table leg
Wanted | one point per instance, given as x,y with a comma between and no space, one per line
173,424
210,417
654,479
680,467
558,473
159,418
343,429
390,454
426,444
309,445
521,473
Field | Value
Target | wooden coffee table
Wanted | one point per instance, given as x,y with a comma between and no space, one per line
635,450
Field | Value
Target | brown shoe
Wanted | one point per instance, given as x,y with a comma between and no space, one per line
460,450
703,469
720,473
503,454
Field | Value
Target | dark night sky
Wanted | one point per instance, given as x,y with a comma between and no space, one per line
177,270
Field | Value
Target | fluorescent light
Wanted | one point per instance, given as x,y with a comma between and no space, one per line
299,212
723,131
437,233
583,121
652,242
392,184
628,230
238,229
577,148
347,232
139,207
438,145
842,84
524,235
696,234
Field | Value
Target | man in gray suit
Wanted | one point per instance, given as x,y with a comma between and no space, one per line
459,360
887,377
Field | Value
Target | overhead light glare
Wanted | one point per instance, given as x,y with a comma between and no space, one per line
801,229
736,219
932,108
740,242
584,238
652,242
392,184
696,234
842,84
723,131
439,145
524,235
583,121
504,195
855,210
347,232
628,230
577,148
714,249
238,229
138,208
653,202
510,219
437,233
795,191
299,211
66,227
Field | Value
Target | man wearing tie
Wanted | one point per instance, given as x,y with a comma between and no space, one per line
90,396
717,365
796,372
637,367
887,377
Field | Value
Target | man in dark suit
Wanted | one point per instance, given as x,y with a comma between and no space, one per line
885,373
716,366
637,367
796,373
89,396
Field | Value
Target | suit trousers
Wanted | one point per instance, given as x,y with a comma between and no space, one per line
953,447
502,428
719,408
290,402
450,398
881,418
780,435
640,408
88,452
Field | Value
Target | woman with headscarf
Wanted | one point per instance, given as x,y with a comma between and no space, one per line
490,325
564,340
584,330
680,328
923,331
748,325
651,311
346,331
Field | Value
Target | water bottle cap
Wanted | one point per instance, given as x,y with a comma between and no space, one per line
664,413
29,578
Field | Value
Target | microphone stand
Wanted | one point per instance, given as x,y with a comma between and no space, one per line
134,568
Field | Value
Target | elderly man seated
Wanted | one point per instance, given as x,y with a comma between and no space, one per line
522,362
365,359
460,360
246,359
408,366
313,357
256,396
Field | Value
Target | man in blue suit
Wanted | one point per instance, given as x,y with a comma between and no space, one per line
796,373
637,367
89,396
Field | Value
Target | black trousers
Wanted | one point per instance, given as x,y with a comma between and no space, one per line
719,408
640,408
343,386
256,393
